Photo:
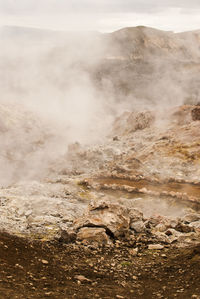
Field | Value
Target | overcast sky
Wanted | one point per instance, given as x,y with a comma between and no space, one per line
101,15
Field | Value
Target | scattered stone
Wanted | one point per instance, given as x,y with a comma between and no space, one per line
161,237
45,262
28,213
93,235
183,228
133,251
191,217
48,293
68,236
161,227
187,238
82,278
155,247
135,215
195,225
134,277
138,226
173,234
152,222
19,266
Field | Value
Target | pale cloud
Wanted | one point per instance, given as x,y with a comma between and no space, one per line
105,6
103,15
172,20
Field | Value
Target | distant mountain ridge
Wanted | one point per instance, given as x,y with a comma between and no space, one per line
20,30
130,41
131,64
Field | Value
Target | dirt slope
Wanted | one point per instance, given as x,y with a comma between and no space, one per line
45,270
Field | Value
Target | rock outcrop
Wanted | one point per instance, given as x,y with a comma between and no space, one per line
113,218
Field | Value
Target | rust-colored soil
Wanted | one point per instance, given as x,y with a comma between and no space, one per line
190,189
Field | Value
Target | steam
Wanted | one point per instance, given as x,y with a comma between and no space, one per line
60,87
48,101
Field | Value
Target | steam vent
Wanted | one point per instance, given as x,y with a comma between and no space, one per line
100,163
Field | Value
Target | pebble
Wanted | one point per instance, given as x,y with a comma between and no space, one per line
138,226
48,293
155,247
45,262
134,277
19,266
81,278
28,213
133,251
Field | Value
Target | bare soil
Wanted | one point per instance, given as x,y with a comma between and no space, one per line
31,269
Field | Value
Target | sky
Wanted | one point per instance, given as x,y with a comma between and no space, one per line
101,15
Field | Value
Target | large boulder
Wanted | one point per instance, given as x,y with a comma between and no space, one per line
114,218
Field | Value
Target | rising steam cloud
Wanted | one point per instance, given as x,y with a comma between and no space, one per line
61,87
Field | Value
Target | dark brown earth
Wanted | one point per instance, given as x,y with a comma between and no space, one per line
48,270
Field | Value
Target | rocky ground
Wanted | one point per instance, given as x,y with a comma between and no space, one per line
116,220
118,217
150,168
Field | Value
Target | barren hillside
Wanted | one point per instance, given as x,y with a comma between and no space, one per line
100,152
